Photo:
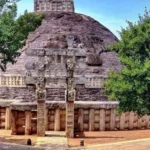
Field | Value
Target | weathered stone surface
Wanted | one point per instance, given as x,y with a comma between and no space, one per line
56,26
85,94
93,59
52,34
24,94
62,105
28,94
55,95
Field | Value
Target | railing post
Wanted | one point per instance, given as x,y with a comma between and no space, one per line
8,119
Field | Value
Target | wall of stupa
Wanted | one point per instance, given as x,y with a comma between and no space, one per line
27,94
18,93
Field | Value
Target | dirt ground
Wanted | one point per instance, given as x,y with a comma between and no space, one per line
5,136
92,138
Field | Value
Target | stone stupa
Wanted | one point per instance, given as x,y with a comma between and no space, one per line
89,36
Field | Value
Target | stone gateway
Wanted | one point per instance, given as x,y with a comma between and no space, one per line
57,81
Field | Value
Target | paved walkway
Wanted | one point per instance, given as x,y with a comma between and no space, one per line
53,141
142,144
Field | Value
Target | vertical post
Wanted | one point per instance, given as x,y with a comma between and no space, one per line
70,119
41,119
122,121
8,119
70,92
102,120
41,94
139,123
131,120
46,119
80,119
28,117
91,120
13,121
57,120
147,121
113,119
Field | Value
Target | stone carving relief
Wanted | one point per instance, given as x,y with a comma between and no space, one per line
56,83
41,92
41,52
73,44
81,45
70,40
28,73
31,66
41,66
71,94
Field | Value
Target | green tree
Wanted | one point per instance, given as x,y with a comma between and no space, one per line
14,32
131,85
6,3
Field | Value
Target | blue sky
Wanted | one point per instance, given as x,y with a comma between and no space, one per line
111,13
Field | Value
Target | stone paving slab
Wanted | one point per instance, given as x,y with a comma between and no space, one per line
53,142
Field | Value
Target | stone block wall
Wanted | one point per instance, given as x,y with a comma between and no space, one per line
55,94
19,93
90,94
83,94
27,94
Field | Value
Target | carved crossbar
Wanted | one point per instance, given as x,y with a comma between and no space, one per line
52,52
60,82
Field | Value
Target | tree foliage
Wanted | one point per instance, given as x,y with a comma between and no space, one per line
6,4
131,86
14,32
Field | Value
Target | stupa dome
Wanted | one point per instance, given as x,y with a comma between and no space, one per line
89,33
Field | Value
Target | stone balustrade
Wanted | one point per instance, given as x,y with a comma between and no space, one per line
12,81
88,116
94,82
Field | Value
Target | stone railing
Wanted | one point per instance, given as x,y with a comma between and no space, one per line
88,116
94,82
12,81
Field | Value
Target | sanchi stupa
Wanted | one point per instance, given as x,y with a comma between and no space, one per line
57,82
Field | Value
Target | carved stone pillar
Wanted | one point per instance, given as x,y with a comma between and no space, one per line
70,91
41,118
70,119
41,94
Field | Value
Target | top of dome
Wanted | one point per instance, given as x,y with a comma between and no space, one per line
57,25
